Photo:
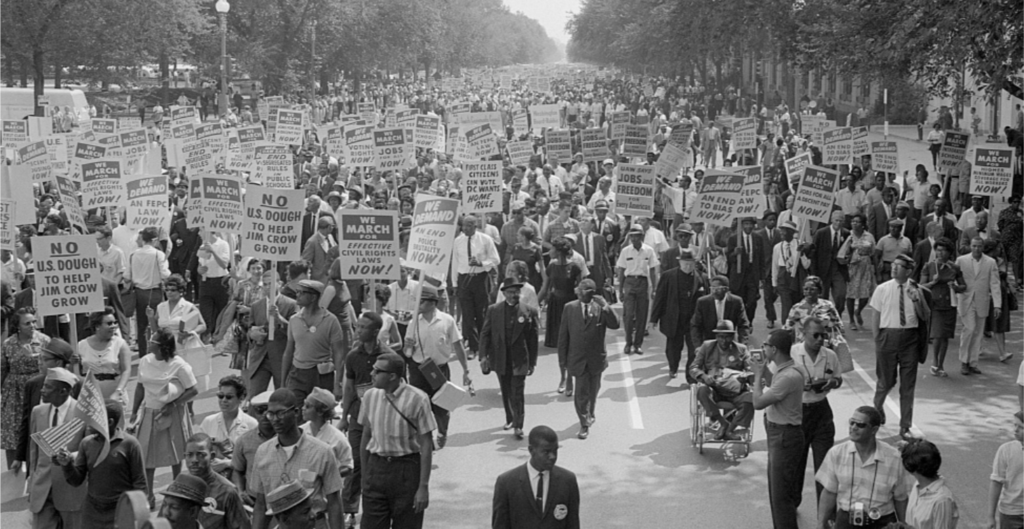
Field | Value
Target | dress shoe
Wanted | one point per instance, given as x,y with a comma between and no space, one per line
1005,356
561,387
771,325
441,441
974,370
508,426
470,355
584,433
628,350
673,374
519,433
964,370
568,392
636,350
905,433
591,420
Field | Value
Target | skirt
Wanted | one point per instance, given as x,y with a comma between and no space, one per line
163,444
943,323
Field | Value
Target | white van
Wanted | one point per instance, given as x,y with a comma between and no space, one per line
19,103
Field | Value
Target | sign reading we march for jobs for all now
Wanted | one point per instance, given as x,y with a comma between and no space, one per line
67,274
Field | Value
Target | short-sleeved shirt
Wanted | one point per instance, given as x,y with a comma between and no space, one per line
155,375
310,462
637,262
886,300
218,430
851,202
825,365
393,435
932,506
844,474
243,459
788,382
892,247
1008,469
229,511
435,338
314,344
338,442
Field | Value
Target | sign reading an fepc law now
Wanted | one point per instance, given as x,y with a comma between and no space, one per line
434,225
67,274
368,244
147,202
992,172
272,228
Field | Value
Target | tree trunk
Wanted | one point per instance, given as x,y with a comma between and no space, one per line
57,74
23,63
38,77
165,65
718,75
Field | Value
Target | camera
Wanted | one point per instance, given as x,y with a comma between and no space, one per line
757,355
857,515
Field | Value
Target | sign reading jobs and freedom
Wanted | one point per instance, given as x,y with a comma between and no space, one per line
481,187
817,192
635,190
272,227
717,199
594,145
67,274
992,172
634,145
101,184
434,225
147,202
222,203
368,245
558,143
952,151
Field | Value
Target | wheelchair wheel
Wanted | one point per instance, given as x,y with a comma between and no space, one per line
695,419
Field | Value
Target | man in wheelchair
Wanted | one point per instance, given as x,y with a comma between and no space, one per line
722,366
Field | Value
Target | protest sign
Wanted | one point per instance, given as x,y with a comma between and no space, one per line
39,127
634,191
795,167
394,149
184,131
197,158
272,227
434,226
861,146
816,194
426,131
289,127
459,108
471,120
752,200
8,229
558,143
481,187
36,157
368,244
147,202
542,85
885,156
91,409
242,147
104,127
545,116
18,187
634,145
407,118
15,132
360,150
222,203
102,184
594,145
952,152
838,146
212,135
519,152
67,191
367,112
672,160
482,141
681,135
273,162
992,172
505,82
717,199
129,122
520,121
744,134
812,126
134,143
334,142
67,275
194,203
619,122
184,114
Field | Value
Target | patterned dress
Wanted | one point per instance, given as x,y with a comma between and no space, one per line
823,309
18,363
862,272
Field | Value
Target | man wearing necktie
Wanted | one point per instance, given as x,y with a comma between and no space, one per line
825,262
52,500
474,256
770,236
538,494
746,265
784,268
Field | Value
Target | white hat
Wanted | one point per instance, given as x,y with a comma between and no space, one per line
61,375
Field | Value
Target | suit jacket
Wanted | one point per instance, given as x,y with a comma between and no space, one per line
823,255
910,229
185,243
922,252
964,245
612,235
878,220
44,475
582,342
319,261
274,348
521,346
770,240
309,231
515,506
745,272
949,229
674,308
669,259
705,317
982,286
32,397
602,268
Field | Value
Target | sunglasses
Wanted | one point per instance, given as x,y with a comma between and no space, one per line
224,396
858,424
820,335
273,415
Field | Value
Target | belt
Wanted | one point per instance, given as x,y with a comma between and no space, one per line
106,376
778,425
819,403
637,277
389,459
208,278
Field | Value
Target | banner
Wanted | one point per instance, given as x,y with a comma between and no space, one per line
752,200
36,157
952,152
482,141
558,143
242,147
594,145
359,146
68,277
273,162
8,230
481,187
861,146
68,194
519,152
717,199
816,194
744,134
102,184
222,203
838,148
619,121
91,409
434,226
992,172
545,116
634,191
147,202
394,149
368,244
272,227
885,156
634,144
427,131
672,160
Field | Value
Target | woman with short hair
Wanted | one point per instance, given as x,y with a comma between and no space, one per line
107,356
931,504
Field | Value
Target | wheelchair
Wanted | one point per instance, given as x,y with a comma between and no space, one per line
703,430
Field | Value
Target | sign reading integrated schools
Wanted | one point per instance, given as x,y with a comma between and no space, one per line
67,274
368,244
434,226
272,227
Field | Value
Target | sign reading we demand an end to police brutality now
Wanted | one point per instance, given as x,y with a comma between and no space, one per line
67,274
368,244
434,225
816,194
272,228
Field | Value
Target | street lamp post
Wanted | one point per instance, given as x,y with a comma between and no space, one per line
222,7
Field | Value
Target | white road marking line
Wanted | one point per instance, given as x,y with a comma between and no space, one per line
635,418
890,404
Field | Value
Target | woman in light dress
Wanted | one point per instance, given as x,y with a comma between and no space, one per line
107,356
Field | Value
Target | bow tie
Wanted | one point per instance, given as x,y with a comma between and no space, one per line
981,231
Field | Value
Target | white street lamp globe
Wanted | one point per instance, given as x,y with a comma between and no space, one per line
222,6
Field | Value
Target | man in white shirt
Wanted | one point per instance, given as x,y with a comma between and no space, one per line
402,303
112,259
637,269
785,263
851,199
124,237
474,256
968,216
147,269
214,260
654,237
604,192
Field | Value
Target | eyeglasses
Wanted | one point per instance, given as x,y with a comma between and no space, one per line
375,371
858,424
224,396
273,415
820,335
258,410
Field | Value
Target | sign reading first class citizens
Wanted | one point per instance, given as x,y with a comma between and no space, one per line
272,227
481,183
67,274
368,244
434,225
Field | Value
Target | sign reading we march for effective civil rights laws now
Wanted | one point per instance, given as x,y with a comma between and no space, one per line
67,274
272,227
368,244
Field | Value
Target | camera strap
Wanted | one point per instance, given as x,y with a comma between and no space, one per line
853,473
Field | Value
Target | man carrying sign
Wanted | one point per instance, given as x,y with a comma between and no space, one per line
53,501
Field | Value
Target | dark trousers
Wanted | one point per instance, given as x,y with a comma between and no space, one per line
635,304
819,435
473,297
785,477
769,300
843,521
389,485
674,350
896,350
513,397
749,293
588,385
787,298
743,403
353,487
269,369
145,298
835,284
302,381
213,297
416,378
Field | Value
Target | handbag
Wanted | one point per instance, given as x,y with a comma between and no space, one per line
198,355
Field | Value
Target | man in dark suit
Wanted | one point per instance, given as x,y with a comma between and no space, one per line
910,225
981,229
309,220
266,355
594,250
924,248
185,244
718,305
610,231
537,495
674,303
316,253
943,217
57,353
508,346
746,253
53,501
670,258
771,235
581,342
880,213
824,255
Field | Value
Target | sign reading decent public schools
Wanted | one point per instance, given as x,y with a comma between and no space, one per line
368,244
272,228
67,274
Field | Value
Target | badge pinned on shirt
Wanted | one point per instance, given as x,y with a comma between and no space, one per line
732,358
522,319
